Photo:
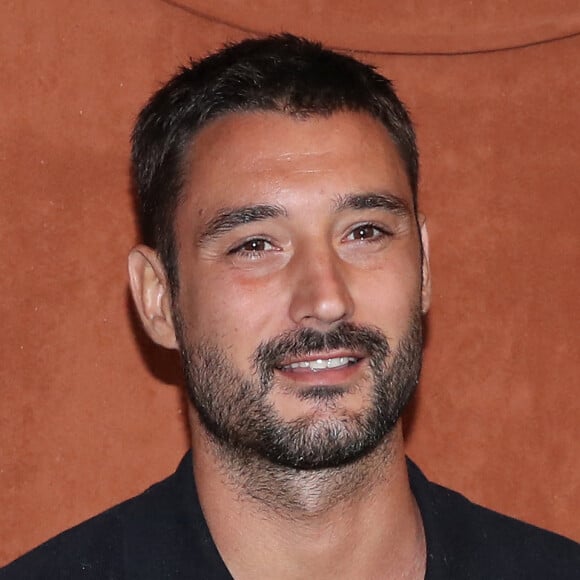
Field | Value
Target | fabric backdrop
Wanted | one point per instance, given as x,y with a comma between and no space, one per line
90,413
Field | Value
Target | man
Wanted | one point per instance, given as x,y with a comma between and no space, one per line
286,259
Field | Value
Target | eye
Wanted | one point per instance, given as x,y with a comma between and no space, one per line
367,232
252,248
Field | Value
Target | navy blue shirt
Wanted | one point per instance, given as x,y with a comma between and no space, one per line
162,534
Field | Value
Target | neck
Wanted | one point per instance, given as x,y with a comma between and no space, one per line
355,521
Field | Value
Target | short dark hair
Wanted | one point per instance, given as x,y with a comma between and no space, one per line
282,73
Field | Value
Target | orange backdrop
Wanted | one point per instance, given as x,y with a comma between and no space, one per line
89,410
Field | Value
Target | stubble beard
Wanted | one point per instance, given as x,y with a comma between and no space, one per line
245,428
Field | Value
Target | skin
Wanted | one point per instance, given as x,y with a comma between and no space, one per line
319,259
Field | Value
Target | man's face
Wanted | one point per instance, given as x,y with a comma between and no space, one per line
299,260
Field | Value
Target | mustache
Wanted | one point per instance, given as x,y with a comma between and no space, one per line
367,340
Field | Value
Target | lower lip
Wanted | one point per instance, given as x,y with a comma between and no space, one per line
336,376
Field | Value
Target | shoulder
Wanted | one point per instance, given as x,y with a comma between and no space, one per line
465,540
98,548
90,550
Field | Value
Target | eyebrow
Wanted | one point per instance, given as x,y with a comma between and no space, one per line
229,218
382,200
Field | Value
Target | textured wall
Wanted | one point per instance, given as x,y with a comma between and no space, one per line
89,413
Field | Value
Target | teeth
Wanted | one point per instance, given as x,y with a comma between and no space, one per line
322,364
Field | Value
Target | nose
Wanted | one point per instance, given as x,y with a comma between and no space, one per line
321,295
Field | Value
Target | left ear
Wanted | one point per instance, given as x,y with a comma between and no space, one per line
425,267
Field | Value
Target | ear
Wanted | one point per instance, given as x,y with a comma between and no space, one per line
151,294
425,267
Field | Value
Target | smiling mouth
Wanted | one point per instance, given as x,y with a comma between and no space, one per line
321,364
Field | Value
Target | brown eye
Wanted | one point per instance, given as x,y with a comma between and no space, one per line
366,232
255,246
252,247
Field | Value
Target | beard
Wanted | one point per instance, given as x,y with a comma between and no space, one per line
235,410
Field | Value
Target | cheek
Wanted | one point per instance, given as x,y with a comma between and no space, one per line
387,296
234,310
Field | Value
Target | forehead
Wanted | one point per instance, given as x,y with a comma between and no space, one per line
258,157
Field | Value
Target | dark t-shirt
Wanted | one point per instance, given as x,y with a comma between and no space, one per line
162,534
